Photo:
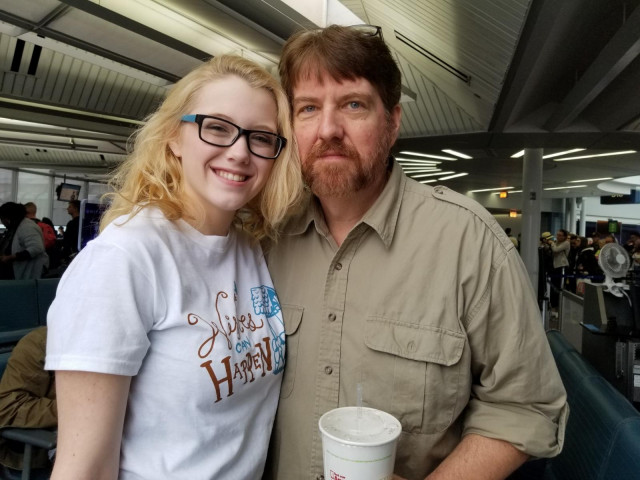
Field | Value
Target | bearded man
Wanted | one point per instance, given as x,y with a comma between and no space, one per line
448,339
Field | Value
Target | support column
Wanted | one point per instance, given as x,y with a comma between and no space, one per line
573,215
531,199
583,218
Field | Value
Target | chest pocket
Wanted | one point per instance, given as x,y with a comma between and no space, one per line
292,315
415,372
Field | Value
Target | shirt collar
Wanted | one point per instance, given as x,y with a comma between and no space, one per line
381,217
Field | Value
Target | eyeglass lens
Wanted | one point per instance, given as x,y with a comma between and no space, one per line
222,133
367,30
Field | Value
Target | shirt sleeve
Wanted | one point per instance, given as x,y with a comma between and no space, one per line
26,398
30,239
105,306
517,393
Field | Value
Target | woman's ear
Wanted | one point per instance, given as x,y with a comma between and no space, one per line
174,146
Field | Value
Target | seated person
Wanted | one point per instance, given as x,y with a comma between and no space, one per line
27,400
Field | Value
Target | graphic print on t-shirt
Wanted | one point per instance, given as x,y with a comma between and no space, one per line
247,346
266,302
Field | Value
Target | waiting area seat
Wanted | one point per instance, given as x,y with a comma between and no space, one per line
602,438
24,305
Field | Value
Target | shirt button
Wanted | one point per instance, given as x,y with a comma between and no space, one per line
332,317
319,477
411,346
338,266
328,370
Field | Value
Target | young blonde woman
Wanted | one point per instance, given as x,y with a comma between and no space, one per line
166,335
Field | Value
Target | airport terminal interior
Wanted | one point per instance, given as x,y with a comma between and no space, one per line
529,107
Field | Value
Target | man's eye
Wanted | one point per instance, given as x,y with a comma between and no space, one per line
308,109
354,105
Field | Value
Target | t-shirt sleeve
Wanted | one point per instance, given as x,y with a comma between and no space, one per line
104,308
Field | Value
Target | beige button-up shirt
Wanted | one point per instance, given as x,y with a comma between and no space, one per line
428,306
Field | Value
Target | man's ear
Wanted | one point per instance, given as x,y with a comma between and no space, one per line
394,121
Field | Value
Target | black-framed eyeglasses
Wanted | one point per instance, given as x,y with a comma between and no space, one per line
223,133
367,30
364,29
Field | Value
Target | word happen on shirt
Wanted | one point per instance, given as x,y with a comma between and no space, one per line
230,329
260,360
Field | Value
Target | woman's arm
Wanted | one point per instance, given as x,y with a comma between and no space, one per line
91,410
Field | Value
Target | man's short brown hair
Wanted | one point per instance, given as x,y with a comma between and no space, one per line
345,54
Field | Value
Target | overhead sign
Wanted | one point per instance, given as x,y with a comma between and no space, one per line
621,199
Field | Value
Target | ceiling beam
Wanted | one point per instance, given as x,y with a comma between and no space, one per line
87,47
78,121
128,24
621,50
543,26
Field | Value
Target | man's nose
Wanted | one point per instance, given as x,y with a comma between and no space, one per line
331,126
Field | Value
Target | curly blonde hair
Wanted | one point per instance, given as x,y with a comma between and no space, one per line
152,174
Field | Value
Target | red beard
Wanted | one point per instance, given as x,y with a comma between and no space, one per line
341,179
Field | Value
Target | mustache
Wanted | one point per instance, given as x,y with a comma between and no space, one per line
339,148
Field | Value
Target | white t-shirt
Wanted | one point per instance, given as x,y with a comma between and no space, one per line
196,322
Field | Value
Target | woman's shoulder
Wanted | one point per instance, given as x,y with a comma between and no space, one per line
143,229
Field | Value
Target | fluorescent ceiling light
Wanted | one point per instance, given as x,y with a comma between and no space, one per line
591,180
453,176
510,192
428,155
428,181
408,168
417,160
565,187
431,174
457,154
416,168
551,155
421,170
490,189
566,152
609,154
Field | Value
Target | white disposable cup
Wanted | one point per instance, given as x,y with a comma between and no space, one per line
359,447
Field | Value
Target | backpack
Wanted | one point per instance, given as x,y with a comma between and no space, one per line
48,234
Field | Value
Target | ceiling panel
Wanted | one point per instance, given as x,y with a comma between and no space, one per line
62,79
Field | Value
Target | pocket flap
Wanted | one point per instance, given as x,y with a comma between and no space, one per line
416,342
292,315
